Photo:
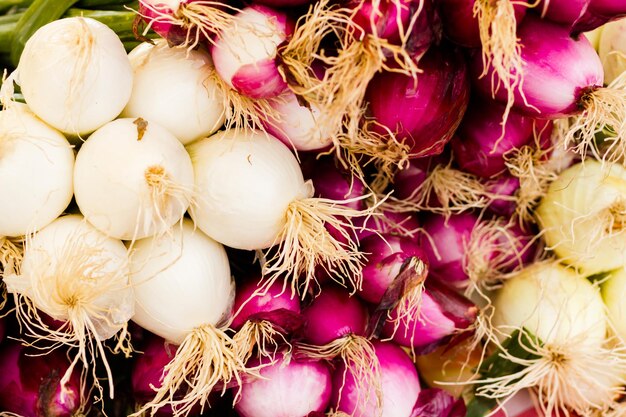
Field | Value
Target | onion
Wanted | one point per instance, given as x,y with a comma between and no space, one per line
436,402
288,387
251,195
184,293
388,19
245,52
503,188
31,386
581,216
333,182
188,102
143,171
36,158
75,274
598,13
400,386
612,49
74,75
613,291
564,333
565,12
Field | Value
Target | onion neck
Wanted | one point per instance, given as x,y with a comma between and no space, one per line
585,96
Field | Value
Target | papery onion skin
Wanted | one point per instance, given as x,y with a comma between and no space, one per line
400,385
91,75
435,402
30,383
386,19
187,101
289,387
553,88
151,10
565,12
37,158
422,114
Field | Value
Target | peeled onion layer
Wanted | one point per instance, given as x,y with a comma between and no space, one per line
581,216
184,293
77,275
558,320
145,174
75,75
187,102
251,195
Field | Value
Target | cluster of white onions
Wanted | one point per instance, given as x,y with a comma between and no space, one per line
131,253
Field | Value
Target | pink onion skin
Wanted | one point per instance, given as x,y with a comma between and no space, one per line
406,221
333,182
450,239
174,34
30,385
424,115
504,187
598,13
383,20
564,12
557,72
435,402
460,25
332,315
400,385
407,180
260,79
283,3
384,261
290,388
276,306
479,146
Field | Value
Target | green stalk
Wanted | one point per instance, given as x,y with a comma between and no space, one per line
8,4
10,18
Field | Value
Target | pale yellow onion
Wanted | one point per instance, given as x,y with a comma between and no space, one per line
614,295
176,87
612,49
583,216
594,36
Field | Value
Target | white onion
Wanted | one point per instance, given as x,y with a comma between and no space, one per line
182,280
176,88
582,216
614,294
75,75
133,179
612,49
36,166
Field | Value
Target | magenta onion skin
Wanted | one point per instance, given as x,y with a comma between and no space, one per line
250,67
565,12
479,145
333,182
435,402
382,18
424,115
276,306
283,3
598,13
332,315
557,72
151,9
384,261
407,180
445,243
30,385
394,224
399,380
460,25
287,388
503,189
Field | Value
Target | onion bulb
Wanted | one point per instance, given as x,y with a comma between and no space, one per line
583,216
612,49
77,275
613,292
188,101
251,195
184,293
133,179
75,75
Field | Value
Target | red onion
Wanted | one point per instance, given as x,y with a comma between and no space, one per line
244,54
387,19
598,13
289,387
481,141
503,188
435,402
442,314
30,383
565,12
335,183
400,386
389,222
423,114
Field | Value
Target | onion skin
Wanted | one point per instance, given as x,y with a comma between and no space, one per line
424,115
30,385
289,388
383,20
400,385
174,34
332,315
565,12
598,13
503,187
479,146
435,402
332,182
553,87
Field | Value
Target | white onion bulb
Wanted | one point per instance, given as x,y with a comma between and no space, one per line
133,179
182,281
176,88
75,75
612,49
614,294
583,216
36,166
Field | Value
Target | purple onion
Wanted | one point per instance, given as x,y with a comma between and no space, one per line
409,179
503,188
335,183
435,402
244,55
287,388
481,141
558,73
388,19
443,314
389,222
30,386
598,13
423,114
400,386
565,12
